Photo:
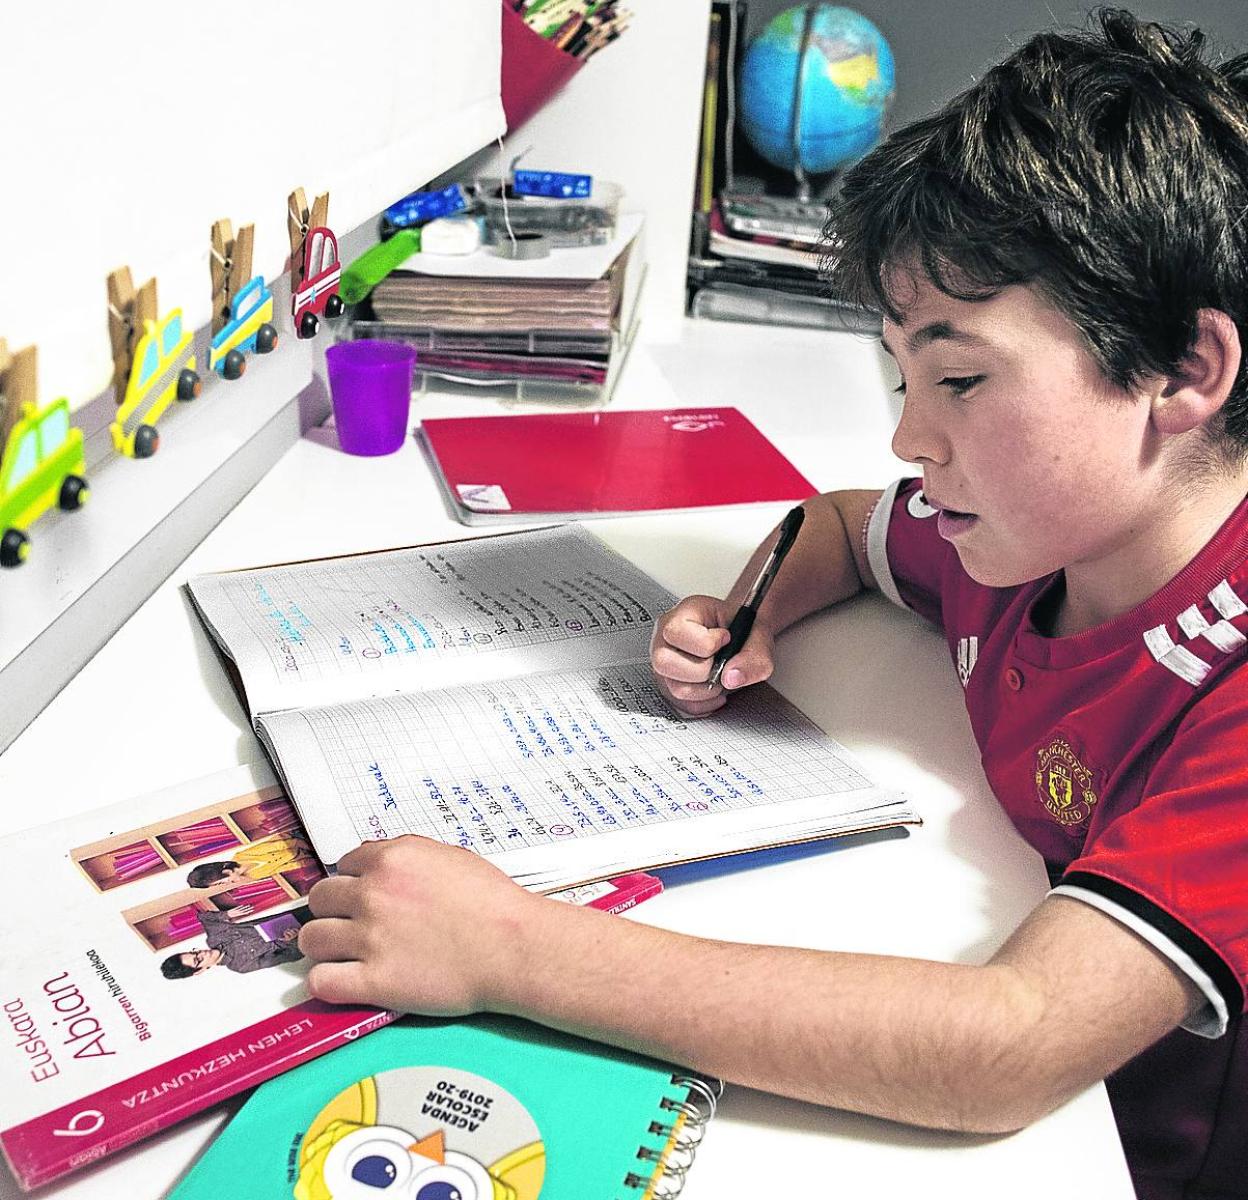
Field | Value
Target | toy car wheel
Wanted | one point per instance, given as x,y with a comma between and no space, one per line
308,325
74,491
266,339
14,547
234,365
146,441
189,384
334,307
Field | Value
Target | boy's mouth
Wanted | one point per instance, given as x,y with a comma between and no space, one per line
950,523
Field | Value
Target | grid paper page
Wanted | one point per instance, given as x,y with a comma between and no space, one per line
528,764
340,629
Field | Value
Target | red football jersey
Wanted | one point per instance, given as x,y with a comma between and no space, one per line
1121,755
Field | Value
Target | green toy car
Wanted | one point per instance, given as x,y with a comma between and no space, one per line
43,464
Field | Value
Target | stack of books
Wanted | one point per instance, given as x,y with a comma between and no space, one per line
755,251
549,326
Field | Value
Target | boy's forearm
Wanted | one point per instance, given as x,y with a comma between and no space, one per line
825,566
898,1038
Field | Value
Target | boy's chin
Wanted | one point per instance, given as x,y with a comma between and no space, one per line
994,573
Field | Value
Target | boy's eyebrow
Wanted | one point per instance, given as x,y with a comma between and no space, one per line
937,331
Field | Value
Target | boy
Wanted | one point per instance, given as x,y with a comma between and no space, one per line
1060,256
241,947
256,861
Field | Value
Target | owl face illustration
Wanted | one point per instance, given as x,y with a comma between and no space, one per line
384,1162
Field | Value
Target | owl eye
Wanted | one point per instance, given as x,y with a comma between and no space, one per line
440,1190
446,1181
375,1171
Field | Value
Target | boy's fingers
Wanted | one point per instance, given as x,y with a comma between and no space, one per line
752,665
333,897
329,939
337,982
692,699
709,703
678,666
693,626
357,861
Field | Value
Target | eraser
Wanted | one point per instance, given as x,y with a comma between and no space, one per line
451,235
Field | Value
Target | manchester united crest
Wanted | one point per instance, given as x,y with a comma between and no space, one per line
1063,783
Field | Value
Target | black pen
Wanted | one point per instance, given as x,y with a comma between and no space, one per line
743,622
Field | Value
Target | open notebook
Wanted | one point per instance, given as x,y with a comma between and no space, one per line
495,694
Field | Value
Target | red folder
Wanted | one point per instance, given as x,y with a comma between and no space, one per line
601,464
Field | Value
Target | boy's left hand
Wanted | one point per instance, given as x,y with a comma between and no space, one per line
415,925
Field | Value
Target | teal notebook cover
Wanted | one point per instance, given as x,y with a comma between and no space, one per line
486,1108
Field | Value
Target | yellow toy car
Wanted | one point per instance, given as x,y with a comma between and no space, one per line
43,464
163,370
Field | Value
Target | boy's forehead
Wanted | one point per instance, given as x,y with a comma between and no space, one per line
933,316
924,335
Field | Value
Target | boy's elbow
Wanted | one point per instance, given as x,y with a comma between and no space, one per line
1009,1091
1011,1073
1001,1106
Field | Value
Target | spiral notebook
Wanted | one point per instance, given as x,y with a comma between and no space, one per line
486,1108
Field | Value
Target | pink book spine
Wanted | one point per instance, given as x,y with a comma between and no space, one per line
100,1124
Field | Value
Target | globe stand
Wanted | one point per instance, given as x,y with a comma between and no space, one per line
795,124
803,192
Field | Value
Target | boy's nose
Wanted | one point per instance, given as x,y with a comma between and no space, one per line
915,439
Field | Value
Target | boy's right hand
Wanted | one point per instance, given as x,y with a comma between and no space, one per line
683,646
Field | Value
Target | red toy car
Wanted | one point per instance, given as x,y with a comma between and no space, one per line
318,293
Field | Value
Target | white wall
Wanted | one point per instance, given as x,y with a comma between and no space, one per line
631,115
129,129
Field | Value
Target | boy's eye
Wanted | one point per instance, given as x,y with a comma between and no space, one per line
900,389
959,385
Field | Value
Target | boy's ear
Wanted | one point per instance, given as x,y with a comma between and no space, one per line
1204,379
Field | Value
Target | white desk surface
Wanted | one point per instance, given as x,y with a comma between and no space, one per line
153,707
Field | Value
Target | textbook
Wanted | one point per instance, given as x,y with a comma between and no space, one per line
487,1108
111,1033
575,465
495,693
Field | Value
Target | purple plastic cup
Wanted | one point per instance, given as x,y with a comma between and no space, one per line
370,385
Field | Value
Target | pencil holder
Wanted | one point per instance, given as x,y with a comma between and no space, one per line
533,70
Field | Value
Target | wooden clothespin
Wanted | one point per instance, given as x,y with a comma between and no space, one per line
127,312
299,219
231,267
18,386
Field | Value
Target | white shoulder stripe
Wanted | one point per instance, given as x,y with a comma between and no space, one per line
877,544
1174,658
1228,604
1223,635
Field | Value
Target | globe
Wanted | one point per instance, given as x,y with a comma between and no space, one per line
847,82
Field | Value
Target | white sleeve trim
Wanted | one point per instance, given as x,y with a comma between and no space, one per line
1208,1021
877,544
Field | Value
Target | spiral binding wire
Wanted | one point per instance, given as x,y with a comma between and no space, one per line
683,1134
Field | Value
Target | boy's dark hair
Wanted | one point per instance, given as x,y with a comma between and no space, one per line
174,968
206,874
1109,170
